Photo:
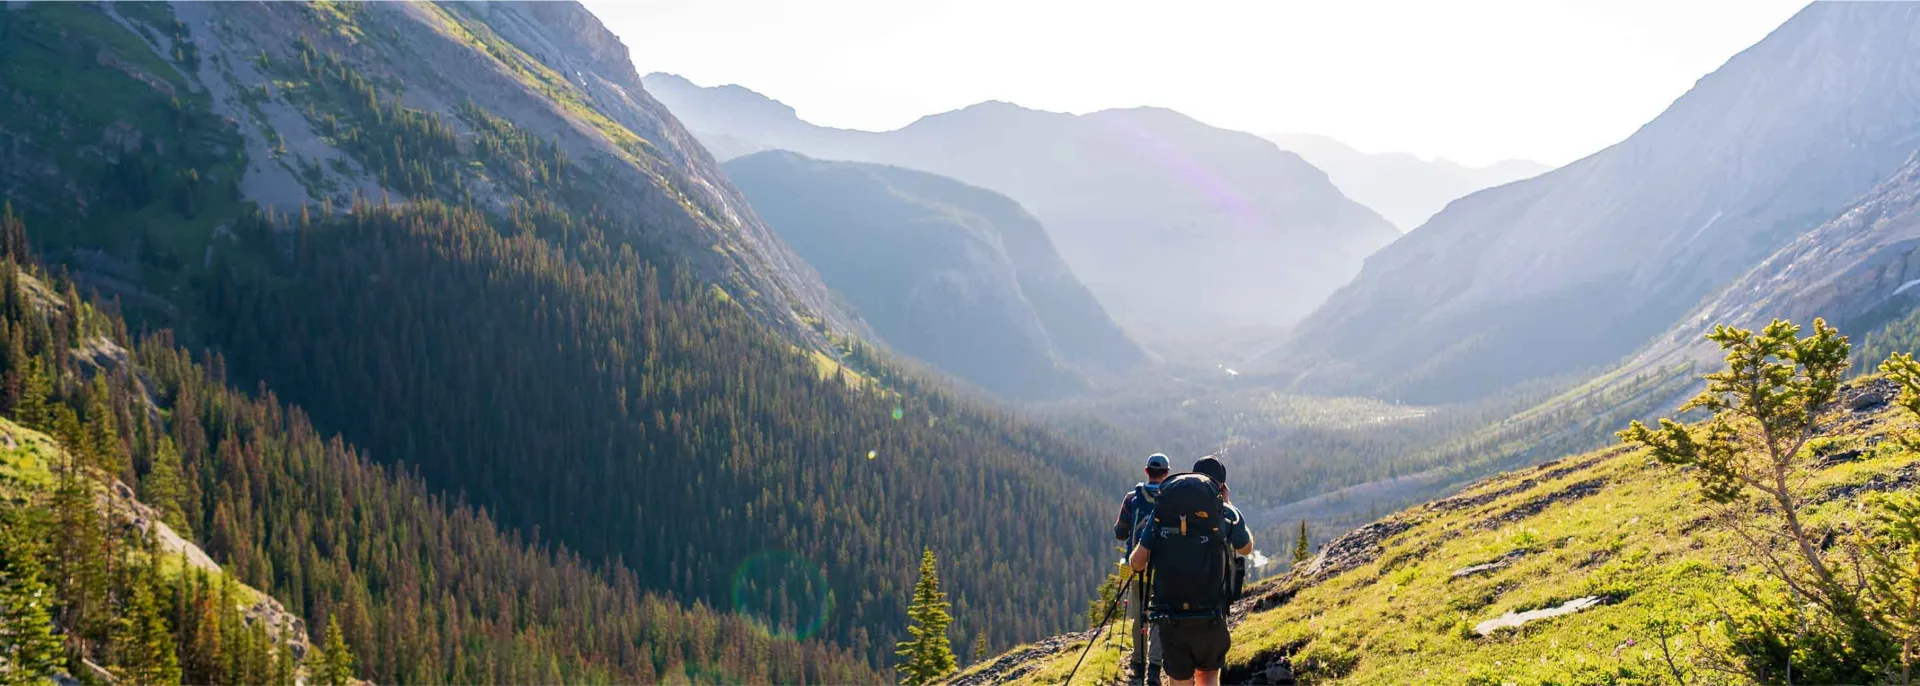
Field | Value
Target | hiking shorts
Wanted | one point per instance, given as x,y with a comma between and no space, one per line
1193,643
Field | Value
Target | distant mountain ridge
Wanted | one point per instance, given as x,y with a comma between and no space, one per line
1185,232
1405,189
1579,266
959,276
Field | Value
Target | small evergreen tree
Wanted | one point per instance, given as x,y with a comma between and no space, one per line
32,410
927,656
1103,598
29,651
980,644
336,661
1301,548
1765,406
164,487
141,641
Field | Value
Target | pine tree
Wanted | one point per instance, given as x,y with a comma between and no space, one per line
927,656
980,644
163,488
101,433
141,641
1301,548
32,410
336,661
28,649
1103,598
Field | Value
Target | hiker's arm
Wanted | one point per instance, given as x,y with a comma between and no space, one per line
1121,526
1139,560
1238,535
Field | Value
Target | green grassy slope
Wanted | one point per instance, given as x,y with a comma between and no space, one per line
1384,605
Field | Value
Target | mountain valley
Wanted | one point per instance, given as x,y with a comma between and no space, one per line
425,342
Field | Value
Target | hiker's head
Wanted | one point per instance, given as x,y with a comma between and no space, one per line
1213,468
1157,467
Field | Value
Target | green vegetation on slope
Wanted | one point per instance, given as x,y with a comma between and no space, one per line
595,397
424,587
1657,585
107,141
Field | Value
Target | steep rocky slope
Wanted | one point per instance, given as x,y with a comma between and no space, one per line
958,276
1185,232
1405,189
1857,270
1577,267
94,140
1563,573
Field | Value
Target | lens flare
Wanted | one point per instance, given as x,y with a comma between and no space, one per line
872,454
898,413
783,593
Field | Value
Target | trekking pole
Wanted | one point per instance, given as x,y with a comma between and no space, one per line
1103,626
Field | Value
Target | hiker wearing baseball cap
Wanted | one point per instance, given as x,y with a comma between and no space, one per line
1136,515
1196,573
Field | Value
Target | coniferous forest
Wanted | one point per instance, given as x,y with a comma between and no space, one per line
423,588
532,362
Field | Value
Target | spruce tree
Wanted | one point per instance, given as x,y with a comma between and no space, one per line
164,487
927,656
32,409
1301,548
980,644
28,649
141,641
336,661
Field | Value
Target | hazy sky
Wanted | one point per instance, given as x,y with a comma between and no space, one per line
1472,80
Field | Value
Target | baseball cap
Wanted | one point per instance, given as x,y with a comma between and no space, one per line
1157,461
1212,467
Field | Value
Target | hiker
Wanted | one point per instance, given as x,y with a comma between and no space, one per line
1136,516
1195,535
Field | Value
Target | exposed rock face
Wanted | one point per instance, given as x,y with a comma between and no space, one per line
1183,231
550,68
1580,265
285,627
958,276
1856,270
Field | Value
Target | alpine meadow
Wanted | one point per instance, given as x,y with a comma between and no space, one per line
977,343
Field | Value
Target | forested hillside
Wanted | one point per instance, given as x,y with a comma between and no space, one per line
469,289
423,587
959,276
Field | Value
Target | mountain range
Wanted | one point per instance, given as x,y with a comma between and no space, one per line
1186,233
1577,267
1404,188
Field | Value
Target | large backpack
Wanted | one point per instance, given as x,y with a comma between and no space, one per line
1191,561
